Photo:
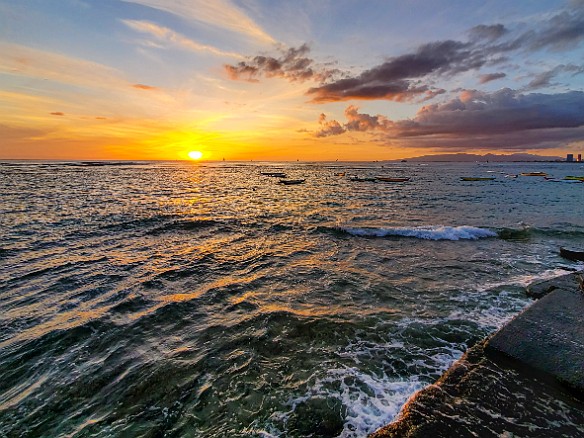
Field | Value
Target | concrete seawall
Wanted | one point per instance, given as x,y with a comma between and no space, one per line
527,380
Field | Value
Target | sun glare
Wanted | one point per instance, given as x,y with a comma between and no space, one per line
195,155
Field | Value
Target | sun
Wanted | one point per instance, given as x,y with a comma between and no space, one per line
195,155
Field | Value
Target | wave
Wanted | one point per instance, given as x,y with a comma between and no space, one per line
463,232
525,232
430,232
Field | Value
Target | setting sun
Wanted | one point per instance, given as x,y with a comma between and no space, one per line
195,155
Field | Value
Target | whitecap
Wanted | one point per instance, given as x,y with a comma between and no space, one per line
431,232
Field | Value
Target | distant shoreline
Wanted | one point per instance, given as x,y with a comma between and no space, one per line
404,161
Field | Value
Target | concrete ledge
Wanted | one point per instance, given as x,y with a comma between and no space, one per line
548,336
520,382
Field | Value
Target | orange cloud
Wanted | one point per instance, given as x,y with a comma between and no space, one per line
144,87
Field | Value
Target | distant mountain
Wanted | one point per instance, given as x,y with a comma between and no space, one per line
488,157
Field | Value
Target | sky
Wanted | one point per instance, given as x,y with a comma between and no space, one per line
289,79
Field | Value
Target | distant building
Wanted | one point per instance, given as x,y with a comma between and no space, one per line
570,158
579,158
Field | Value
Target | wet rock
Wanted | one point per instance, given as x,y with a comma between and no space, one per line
527,380
548,336
540,289
485,395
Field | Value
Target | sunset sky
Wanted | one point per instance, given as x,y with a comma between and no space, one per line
289,79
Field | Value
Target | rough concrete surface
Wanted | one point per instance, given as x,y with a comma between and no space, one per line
548,336
525,381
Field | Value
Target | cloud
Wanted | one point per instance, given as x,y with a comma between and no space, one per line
543,79
409,76
506,119
483,79
144,87
563,31
57,113
500,112
173,38
364,122
219,13
487,32
17,133
397,78
292,64
329,128
25,61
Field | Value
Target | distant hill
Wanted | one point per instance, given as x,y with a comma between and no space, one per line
488,157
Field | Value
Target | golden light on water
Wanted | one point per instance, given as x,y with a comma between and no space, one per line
195,155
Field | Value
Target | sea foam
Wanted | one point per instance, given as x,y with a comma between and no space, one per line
431,232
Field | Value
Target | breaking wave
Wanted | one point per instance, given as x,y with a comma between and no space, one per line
432,232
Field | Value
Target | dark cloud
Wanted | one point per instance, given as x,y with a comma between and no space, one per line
292,64
487,32
483,79
505,119
57,113
397,78
504,111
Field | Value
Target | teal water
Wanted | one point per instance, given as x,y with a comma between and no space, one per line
206,299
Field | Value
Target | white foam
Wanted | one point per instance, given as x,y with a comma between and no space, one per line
524,280
371,402
430,232
489,311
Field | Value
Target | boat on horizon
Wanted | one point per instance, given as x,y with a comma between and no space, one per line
359,179
274,174
291,182
533,174
392,179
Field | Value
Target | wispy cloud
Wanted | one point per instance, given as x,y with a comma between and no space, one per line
108,90
166,35
220,13
26,61
544,79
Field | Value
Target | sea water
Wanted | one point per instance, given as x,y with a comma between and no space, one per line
207,299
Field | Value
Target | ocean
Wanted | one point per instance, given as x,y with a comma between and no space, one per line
207,300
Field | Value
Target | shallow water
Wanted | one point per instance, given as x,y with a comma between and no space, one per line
179,299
